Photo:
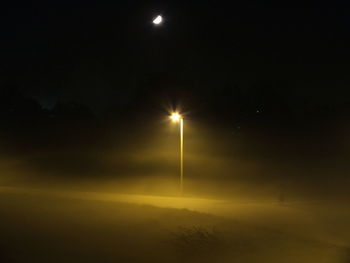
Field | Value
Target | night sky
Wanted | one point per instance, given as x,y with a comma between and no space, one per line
81,80
105,56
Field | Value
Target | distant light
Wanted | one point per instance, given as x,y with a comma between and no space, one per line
175,116
158,20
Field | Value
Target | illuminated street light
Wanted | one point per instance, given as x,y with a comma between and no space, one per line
176,117
158,20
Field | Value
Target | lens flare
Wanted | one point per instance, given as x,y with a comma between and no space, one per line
175,116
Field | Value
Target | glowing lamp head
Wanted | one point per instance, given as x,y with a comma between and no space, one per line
175,117
158,20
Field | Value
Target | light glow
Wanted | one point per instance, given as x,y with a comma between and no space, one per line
175,117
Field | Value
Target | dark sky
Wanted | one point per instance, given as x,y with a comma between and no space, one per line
106,55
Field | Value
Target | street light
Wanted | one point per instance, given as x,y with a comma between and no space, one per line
176,117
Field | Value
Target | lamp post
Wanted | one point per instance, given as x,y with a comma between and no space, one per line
176,117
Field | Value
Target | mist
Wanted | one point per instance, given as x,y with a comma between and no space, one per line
220,161
252,166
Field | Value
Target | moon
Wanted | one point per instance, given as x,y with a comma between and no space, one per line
158,20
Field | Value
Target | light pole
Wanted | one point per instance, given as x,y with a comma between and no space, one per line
176,117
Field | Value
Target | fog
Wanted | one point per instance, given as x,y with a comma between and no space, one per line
98,193
220,161
90,161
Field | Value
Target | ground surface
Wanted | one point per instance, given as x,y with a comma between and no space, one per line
68,226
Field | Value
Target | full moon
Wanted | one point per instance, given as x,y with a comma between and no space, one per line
158,20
